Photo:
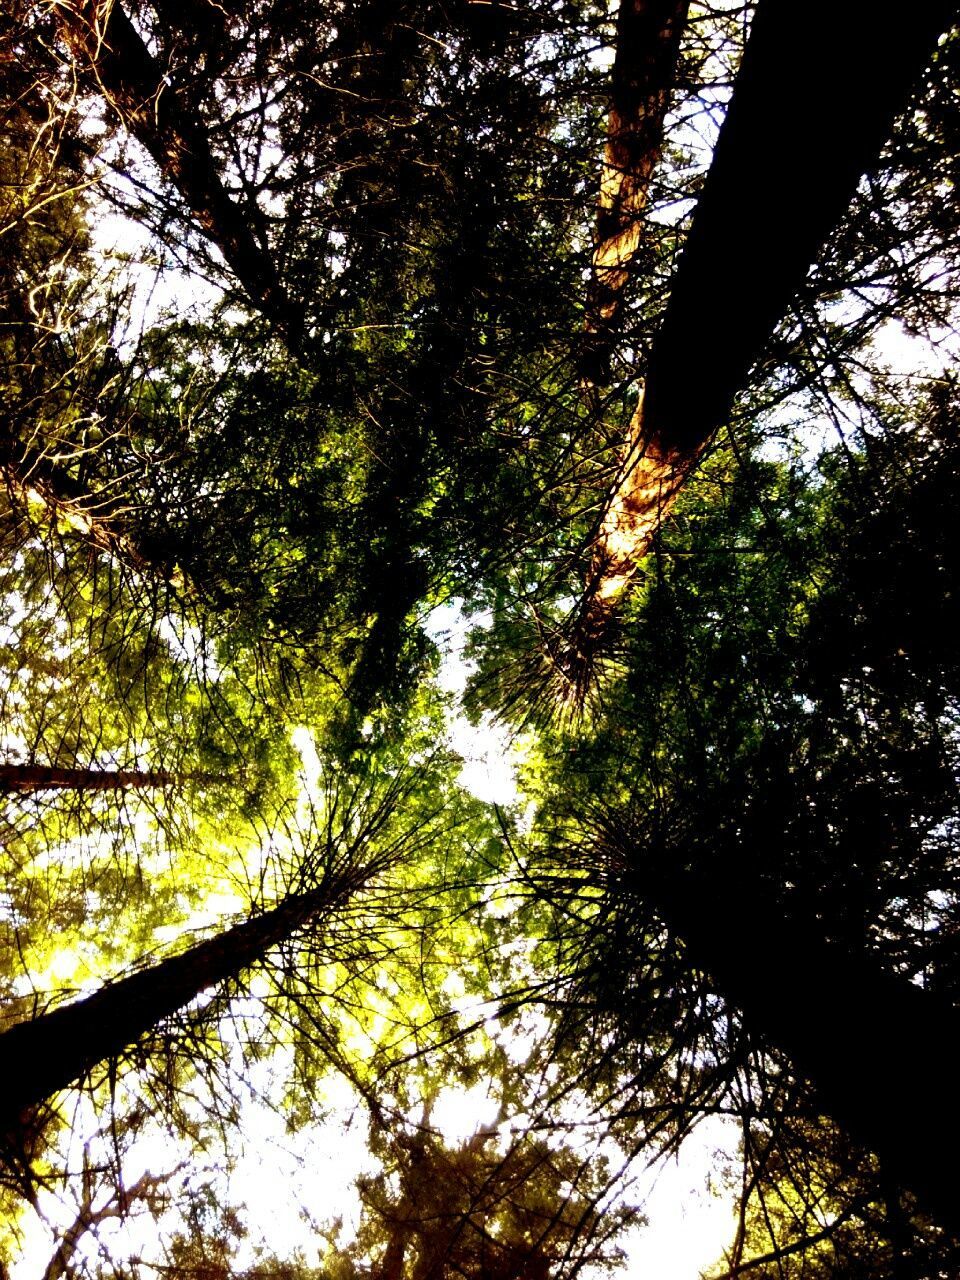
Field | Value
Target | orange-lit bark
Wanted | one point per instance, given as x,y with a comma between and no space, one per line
644,71
652,473
111,53
814,101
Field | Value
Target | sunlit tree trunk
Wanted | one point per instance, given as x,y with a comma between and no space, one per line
644,72
56,1049
27,778
815,99
111,52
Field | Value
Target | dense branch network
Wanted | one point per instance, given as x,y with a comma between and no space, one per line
116,61
428,193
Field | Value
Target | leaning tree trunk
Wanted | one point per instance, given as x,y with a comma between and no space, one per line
25,779
813,103
42,1056
644,72
115,59
880,1052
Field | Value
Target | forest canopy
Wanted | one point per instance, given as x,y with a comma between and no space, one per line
561,383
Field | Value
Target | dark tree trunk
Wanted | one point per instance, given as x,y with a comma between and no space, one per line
815,99
27,778
121,67
644,71
880,1052
58,1048
814,102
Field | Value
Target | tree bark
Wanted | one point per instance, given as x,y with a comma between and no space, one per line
42,1056
880,1052
25,779
114,57
814,101
146,1188
644,70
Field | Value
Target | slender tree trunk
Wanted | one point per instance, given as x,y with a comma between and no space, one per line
390,1266
644,71
147,1187
111,52
880,1052
815,99
27,778
42,1056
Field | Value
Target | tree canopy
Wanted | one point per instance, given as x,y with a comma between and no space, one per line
616,341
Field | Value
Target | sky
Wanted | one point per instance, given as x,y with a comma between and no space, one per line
691,1217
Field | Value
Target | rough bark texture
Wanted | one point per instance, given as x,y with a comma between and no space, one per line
815,99
644,72
880,1051
27,778
39,1057
114,57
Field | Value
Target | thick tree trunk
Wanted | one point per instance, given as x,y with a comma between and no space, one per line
57,1049
27,778
112,54
815,99
644,71
880,1052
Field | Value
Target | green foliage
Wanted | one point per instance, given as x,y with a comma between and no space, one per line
222,535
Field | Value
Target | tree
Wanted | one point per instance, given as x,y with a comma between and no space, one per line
31,777
100,1026
398,391
761,259
478,1210
643,74
148,1188
758,819
115,60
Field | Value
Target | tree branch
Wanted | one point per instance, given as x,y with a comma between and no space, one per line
115,59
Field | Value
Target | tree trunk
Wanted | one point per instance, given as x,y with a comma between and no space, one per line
27,778
115,58
815,99
644,71
880,1052
148,1187
42,1056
